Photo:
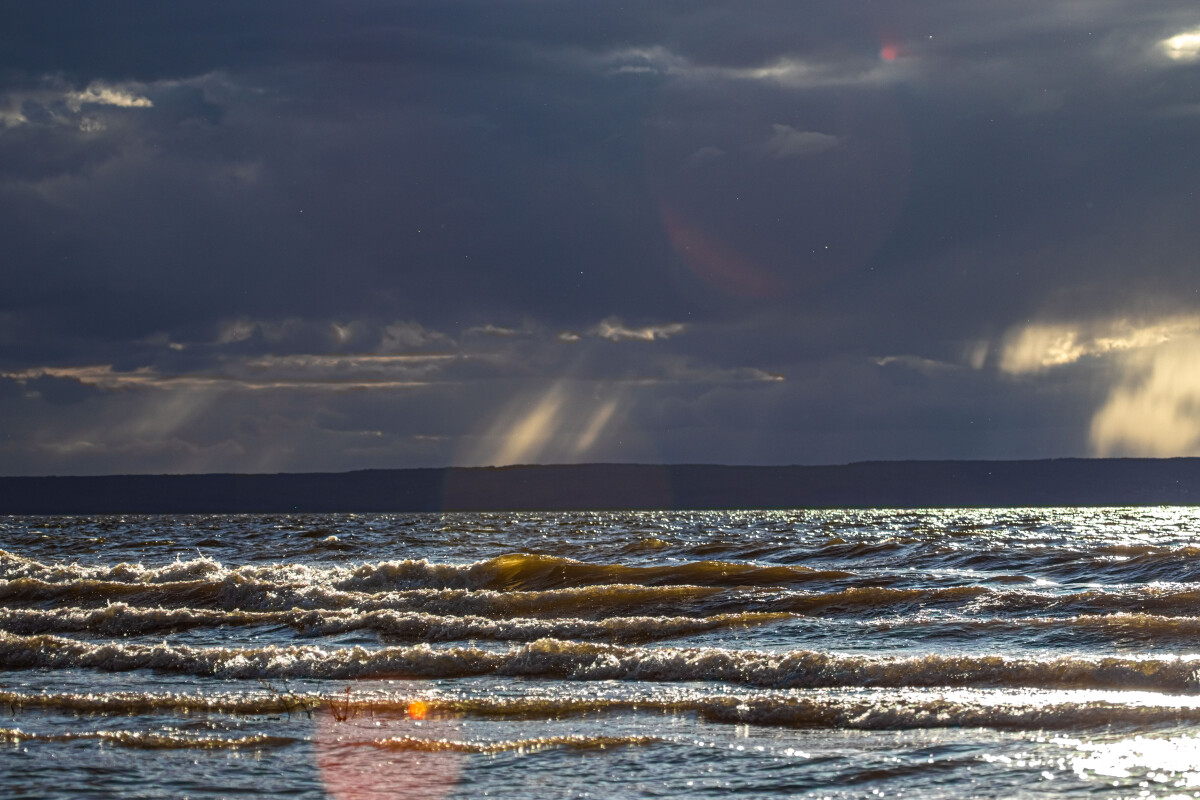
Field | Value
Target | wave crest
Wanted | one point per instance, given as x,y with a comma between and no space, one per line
581,661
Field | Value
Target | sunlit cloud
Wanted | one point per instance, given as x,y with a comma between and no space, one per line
788,71
12,116
1036,347
58,105
795,73
493,330
1039,346
616,331
786,141
102,376
293,332
918,363
1182,46
337,361
654,60
1153,403
106,378
362,370
688,371
101,95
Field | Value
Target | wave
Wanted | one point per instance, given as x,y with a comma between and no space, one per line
120,619
1171,599
871,598
842,712
553,658
570,742
1120,624
234,593
125,703
863,713
13,566
140,740
510,572
151,741
528,572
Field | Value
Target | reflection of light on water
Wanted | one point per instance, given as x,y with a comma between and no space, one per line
995,698
1175,760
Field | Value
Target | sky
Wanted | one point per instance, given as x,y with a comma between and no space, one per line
299,236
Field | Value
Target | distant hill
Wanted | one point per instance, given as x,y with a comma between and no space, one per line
879,484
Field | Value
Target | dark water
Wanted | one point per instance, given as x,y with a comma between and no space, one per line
1023,653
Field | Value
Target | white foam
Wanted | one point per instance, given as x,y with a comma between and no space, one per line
554,658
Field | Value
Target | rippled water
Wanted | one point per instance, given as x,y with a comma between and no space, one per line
962,653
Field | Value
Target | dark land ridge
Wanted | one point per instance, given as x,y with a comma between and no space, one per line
877,484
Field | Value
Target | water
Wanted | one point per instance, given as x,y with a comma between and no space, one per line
954,653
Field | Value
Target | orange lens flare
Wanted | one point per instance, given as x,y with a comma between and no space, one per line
714,262
417,710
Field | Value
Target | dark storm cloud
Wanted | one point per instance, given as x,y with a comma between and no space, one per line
296,235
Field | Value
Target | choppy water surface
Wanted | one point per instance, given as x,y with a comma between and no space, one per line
1028,652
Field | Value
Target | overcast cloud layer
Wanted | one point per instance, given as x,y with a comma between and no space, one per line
295,236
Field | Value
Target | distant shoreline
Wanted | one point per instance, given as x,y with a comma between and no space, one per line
869,484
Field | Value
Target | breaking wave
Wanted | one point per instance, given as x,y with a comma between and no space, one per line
553,658
237,593
120,619
510,572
